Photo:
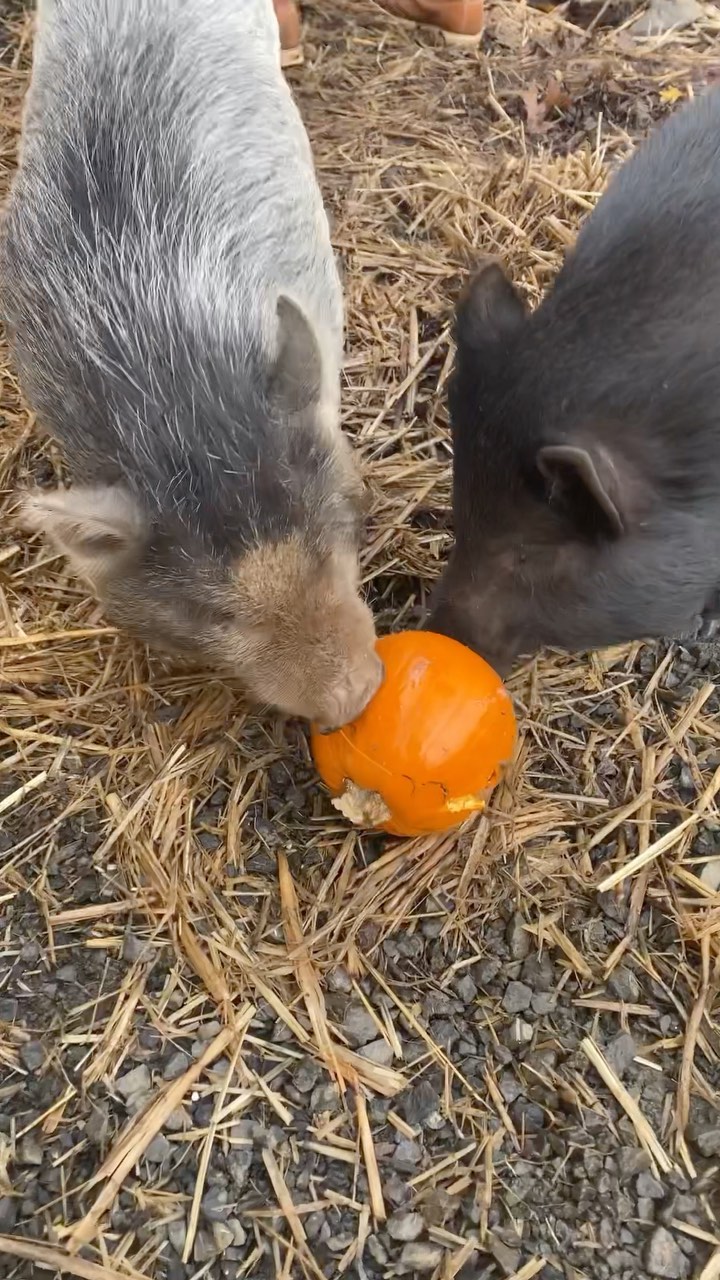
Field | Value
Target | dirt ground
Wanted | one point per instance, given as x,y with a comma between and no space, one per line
238,1039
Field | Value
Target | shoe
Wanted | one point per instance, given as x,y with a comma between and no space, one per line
288,16
460,21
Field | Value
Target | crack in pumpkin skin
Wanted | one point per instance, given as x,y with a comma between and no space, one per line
368,808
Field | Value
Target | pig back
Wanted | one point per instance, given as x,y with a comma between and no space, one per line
165,199
646,259
630,333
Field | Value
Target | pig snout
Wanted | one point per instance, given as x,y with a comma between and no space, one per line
347,698
475,616
341,668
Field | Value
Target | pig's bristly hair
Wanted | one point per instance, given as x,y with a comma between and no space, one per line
162,207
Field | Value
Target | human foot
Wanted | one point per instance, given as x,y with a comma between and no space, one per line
460,21
288,16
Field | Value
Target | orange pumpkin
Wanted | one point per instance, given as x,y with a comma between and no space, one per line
429,748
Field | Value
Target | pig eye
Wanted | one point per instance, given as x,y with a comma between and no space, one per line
220,616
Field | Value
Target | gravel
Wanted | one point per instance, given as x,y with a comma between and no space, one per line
405,1226
664,1257
421,1257
490,965
32,1056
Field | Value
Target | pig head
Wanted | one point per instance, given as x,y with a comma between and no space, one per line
586,507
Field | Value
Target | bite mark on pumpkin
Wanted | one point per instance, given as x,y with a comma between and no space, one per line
362,808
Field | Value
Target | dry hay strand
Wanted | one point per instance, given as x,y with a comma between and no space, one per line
209,835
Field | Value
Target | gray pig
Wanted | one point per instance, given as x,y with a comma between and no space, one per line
176,316
587,433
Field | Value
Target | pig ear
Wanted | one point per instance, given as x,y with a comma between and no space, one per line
489,309
579,473
96,528
296,377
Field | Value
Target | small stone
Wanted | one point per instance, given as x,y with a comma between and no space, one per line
223,1235
438,1206
214,1204
8,1213
406,1156
405,1226
159,1150
544,1002
650,1187
708,1142
688,1208
176,1066
623,984
8,1009
136,1081
138,1101
509,1087
666,15
177,1232
664,1257
466,989
421,1103
340,1241
238,1165
377,1251
432,926
519,1033
32,1055
507,1258
205,1247
136,950
339,980
487,970
176,1269
307,1075
314,1223
518,997
529,1117
378,1051
209,1030
606,1233
31,1152
359,1026
238,1231
435,1121
326,1097
97,1125
30,952
421,1257
538,972
177,1120
396,1190
517,937
67,973
632,1161
620,1052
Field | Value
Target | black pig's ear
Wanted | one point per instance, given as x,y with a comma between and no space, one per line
489,309
597,489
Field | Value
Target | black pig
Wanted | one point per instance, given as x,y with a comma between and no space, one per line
587,433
